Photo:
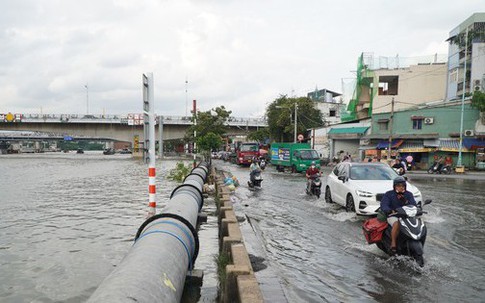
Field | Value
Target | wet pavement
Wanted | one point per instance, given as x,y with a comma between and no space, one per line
317,252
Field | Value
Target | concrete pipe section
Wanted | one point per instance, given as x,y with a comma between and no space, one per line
165,249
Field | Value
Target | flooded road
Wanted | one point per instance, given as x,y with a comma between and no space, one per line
320,254
68,219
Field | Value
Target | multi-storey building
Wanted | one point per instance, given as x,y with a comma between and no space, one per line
466,57
326,101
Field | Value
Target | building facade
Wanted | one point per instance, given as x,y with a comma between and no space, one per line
424,132
466,57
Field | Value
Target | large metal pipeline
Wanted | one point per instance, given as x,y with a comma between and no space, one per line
166,246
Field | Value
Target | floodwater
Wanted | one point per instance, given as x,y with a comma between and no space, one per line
68,219
319,253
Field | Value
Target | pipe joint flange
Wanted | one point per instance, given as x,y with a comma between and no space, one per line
176,217
193,186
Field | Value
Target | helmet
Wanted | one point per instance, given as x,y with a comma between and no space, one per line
399,180
313,162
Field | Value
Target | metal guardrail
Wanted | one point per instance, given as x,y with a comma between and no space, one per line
126,119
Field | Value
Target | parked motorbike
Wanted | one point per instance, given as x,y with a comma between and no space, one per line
434,169
255,179
446,169
262,163
412,233
315,186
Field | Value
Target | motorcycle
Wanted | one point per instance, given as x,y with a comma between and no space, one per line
446,169
400,171
262,163
315,186
255,179
412,233
434,169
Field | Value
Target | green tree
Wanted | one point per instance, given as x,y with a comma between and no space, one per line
478,101
214,120
280,116
209,142
259,135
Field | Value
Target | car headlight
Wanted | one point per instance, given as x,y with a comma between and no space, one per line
364,194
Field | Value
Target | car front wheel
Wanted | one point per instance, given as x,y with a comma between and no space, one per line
349,204
328,195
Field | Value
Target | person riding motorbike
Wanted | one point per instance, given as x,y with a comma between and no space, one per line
311,172
399,167
393,199
253,168
448,163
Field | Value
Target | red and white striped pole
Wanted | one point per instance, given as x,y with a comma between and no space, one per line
152,204
149,130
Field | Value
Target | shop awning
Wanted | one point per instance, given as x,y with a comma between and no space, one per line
348,130
451,145
385,144
414,147
472,143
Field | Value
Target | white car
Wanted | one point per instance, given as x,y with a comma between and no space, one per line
359,186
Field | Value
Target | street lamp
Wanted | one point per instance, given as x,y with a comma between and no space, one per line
87,99
296,119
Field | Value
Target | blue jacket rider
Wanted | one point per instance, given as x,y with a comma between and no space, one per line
396,198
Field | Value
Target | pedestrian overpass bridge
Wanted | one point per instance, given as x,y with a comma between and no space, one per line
110,127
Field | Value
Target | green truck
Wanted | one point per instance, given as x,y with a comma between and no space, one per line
295,156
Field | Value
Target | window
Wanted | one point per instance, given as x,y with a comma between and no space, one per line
388,85
333,113
417,123
383,125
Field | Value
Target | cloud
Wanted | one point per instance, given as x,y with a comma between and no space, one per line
239,54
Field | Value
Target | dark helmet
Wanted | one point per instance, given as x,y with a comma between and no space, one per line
399,180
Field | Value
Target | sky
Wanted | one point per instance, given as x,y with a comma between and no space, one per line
88,56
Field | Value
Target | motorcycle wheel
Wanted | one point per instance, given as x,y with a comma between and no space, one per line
419,259
430,171
416,251
317,193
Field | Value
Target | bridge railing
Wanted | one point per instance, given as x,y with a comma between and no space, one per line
131,120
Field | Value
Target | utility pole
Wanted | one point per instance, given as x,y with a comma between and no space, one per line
296,121
459,163
391,120
194,106
186,101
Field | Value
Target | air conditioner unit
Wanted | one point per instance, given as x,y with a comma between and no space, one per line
477,85
428,120
468,132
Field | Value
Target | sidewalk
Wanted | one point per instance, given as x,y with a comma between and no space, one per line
469,175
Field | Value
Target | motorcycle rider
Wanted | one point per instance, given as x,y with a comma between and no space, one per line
310,172
399,166
253,168
393,199
448,162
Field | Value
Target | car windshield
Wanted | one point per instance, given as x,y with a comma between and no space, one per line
309,155
249,147
372,172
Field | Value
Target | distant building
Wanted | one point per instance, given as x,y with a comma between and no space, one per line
326,101
475,57
407,80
